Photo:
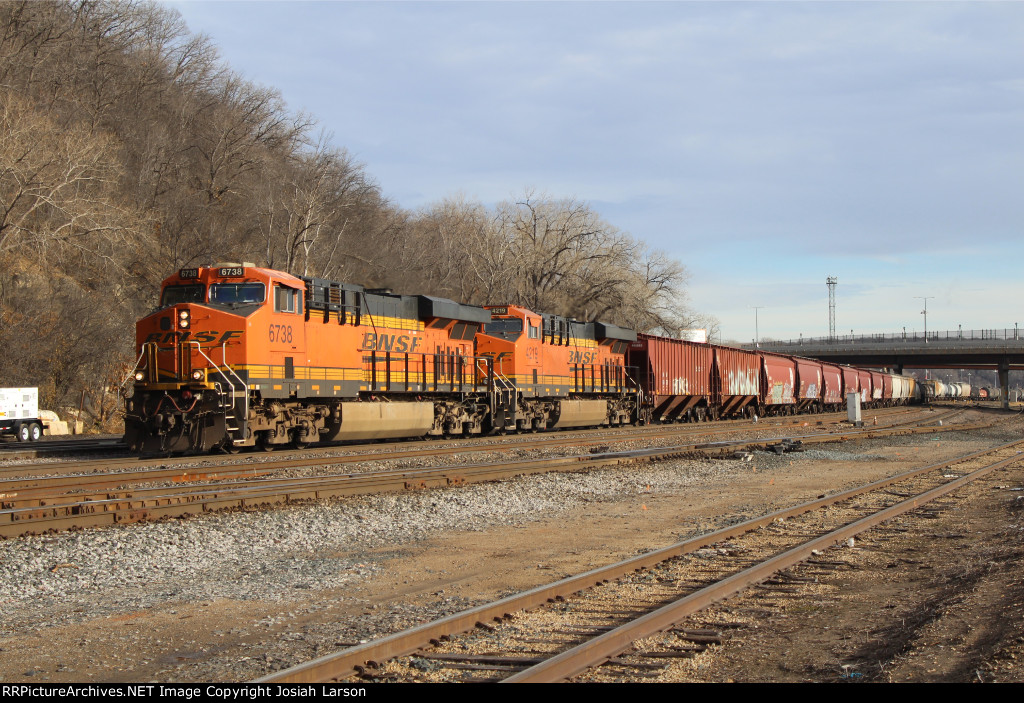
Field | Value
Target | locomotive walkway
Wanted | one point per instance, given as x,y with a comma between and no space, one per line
1001,350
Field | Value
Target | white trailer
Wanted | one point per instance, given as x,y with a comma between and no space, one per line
19,413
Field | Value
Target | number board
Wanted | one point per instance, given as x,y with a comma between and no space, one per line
231,271
498,311
188,273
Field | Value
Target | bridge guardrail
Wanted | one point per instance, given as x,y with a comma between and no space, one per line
1012,335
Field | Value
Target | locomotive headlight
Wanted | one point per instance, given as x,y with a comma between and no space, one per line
197,375
183,319
139,376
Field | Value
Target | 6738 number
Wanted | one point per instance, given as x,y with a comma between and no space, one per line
281,333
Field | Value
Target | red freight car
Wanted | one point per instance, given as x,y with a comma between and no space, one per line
735,381
675,375
832,387
778,381
809,383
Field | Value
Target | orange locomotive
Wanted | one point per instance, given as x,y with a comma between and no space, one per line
238,355
563,373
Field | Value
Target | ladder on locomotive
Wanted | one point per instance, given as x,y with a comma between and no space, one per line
506,395
234,403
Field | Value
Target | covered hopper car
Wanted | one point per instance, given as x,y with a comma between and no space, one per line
687,381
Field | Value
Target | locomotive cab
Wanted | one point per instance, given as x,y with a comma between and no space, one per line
190,387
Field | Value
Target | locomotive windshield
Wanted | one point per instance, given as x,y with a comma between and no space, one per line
237,293
510,329
173,295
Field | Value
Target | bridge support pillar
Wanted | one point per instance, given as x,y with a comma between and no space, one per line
1004,382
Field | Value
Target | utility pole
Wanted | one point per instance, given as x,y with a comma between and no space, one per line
831,282
924,312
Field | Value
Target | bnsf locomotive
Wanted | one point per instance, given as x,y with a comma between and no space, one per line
239,356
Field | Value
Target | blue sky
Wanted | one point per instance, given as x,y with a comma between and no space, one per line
764,145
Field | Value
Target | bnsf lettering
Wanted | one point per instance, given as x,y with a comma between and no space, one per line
579,357
215,337
391,342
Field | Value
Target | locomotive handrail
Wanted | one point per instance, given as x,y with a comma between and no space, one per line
485,368
241,382
131,374
245,395
636,384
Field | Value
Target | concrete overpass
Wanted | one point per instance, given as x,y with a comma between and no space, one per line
1000,350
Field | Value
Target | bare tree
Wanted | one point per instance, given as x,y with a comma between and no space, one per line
55,184
310,205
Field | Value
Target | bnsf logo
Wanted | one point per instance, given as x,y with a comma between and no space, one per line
391,342
201,337
581,357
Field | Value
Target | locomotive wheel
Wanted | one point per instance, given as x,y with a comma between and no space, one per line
262,443
297,441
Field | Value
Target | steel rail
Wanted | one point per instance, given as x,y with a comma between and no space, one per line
349,661
133,505
50,486
599,649
371,452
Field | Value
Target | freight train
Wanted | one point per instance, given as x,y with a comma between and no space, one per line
934,389
688,381
239,356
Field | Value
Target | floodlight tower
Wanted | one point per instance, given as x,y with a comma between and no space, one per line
831,282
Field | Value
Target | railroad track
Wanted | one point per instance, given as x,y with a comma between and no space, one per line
38,504
361,452
584,627
197,467
61,447
34,504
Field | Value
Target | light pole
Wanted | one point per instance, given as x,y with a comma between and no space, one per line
757,336
831,282
924,312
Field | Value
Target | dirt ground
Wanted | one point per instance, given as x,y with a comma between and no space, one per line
934,596
926,599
